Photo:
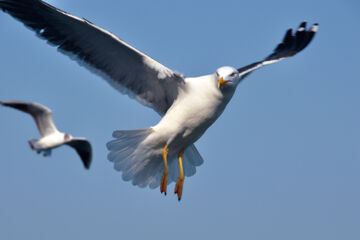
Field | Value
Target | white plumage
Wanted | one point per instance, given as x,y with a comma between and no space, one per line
188,105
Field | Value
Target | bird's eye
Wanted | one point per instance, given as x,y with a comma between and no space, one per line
233,74
217,74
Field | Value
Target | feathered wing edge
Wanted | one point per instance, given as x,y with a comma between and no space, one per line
124,67
291,45
83,148
40,113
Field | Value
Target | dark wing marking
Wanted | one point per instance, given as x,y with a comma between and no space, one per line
41,114
291,45
83,148
124,67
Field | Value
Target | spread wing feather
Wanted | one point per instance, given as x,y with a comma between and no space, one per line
291,45
124,67
41,114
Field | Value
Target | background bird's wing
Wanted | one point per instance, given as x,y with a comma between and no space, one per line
83,148
291,45
41,114
124,67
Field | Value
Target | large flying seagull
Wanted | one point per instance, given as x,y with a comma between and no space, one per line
188,106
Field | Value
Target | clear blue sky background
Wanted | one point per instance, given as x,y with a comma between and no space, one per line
281,163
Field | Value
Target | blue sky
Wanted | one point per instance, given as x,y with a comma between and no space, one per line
290,169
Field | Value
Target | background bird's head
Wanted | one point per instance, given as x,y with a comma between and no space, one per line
67,137
227,77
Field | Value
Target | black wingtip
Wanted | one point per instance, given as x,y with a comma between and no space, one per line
87,164
302,25
292,44
86,159
288,33
5,103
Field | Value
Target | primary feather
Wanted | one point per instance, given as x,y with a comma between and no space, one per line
124,67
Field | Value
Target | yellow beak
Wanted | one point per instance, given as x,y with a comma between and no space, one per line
222,82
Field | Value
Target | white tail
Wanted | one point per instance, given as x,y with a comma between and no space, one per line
144,166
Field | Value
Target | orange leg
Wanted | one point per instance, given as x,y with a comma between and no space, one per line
164,178
180,181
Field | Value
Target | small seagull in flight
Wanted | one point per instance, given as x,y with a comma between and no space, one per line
188,105
50,136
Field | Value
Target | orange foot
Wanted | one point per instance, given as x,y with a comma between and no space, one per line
164,181
179,187
180,181
164,178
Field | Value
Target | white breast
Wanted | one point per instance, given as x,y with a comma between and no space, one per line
198,105
50,141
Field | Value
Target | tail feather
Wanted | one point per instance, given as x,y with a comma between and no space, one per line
135,168
124,142
189,169
117,155
193,156
121,134
148,176
144,166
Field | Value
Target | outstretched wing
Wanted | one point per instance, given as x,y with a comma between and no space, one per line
124,67
291,45
83,148
41,114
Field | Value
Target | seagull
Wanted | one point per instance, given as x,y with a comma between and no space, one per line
155,156
50,136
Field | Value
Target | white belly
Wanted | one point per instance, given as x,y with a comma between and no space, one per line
50,141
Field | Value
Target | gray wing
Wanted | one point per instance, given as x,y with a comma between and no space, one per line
83,148
291,45
124,67
41,114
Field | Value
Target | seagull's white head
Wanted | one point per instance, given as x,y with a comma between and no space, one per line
227,77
